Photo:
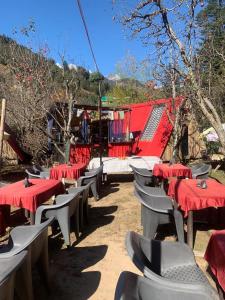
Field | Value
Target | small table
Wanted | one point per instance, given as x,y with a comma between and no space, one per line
215,256
165,171
114,165
190,197
30,197
73,171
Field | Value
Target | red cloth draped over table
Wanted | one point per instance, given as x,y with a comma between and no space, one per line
215,256
64,171
30,197
191,197
80,153
119,150
166,171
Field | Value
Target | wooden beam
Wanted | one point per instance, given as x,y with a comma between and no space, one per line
2,126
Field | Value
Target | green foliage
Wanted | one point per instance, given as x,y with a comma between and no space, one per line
124,94
212,147
211,21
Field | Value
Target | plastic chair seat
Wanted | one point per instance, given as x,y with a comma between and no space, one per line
131,286
65,207
157,209
169,264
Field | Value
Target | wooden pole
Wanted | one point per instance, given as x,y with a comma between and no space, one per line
100,123
2,126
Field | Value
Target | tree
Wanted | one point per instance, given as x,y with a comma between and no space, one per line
38,89
156,21
211,54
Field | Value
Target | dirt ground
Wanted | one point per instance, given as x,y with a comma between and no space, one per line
91,267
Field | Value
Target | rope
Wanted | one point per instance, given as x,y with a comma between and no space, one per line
87,33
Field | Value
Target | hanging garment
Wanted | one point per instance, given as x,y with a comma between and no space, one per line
84,131
121,115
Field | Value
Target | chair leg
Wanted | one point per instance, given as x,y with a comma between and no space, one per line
64,224
150,223
81,214
23,281
76,222
94,191
86,211
178,218
43,265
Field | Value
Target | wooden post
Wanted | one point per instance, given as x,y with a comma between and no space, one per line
2,126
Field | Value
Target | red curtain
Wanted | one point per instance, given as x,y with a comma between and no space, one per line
119,150
80,153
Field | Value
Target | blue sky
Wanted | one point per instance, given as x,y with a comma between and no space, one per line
58,24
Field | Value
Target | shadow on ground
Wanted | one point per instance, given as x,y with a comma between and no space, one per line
72,282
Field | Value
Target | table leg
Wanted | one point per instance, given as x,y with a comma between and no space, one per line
32,218
26,212
190,229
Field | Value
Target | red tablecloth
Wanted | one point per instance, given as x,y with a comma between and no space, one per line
65,171
191,197
166,171
80,153
215,256
31,197
119,150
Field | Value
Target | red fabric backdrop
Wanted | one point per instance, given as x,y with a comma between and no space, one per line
119,150
139,116
80,153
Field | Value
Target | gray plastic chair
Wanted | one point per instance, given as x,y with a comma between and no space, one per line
135,287
65,207
171,265
99,172
8,269
37,172
201,172
84,180
34,239
142,176
157,209
83,205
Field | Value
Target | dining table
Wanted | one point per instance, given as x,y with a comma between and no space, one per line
32,196
215,256
69,171
166,170
195,194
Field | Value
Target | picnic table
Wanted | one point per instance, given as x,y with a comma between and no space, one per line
215,256
166,170
16,194
190,197
73,171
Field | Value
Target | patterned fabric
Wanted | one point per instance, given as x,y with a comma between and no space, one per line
153,123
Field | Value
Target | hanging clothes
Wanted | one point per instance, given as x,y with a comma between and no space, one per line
84,126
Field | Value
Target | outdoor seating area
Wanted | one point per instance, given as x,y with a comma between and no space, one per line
27,245
168,266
